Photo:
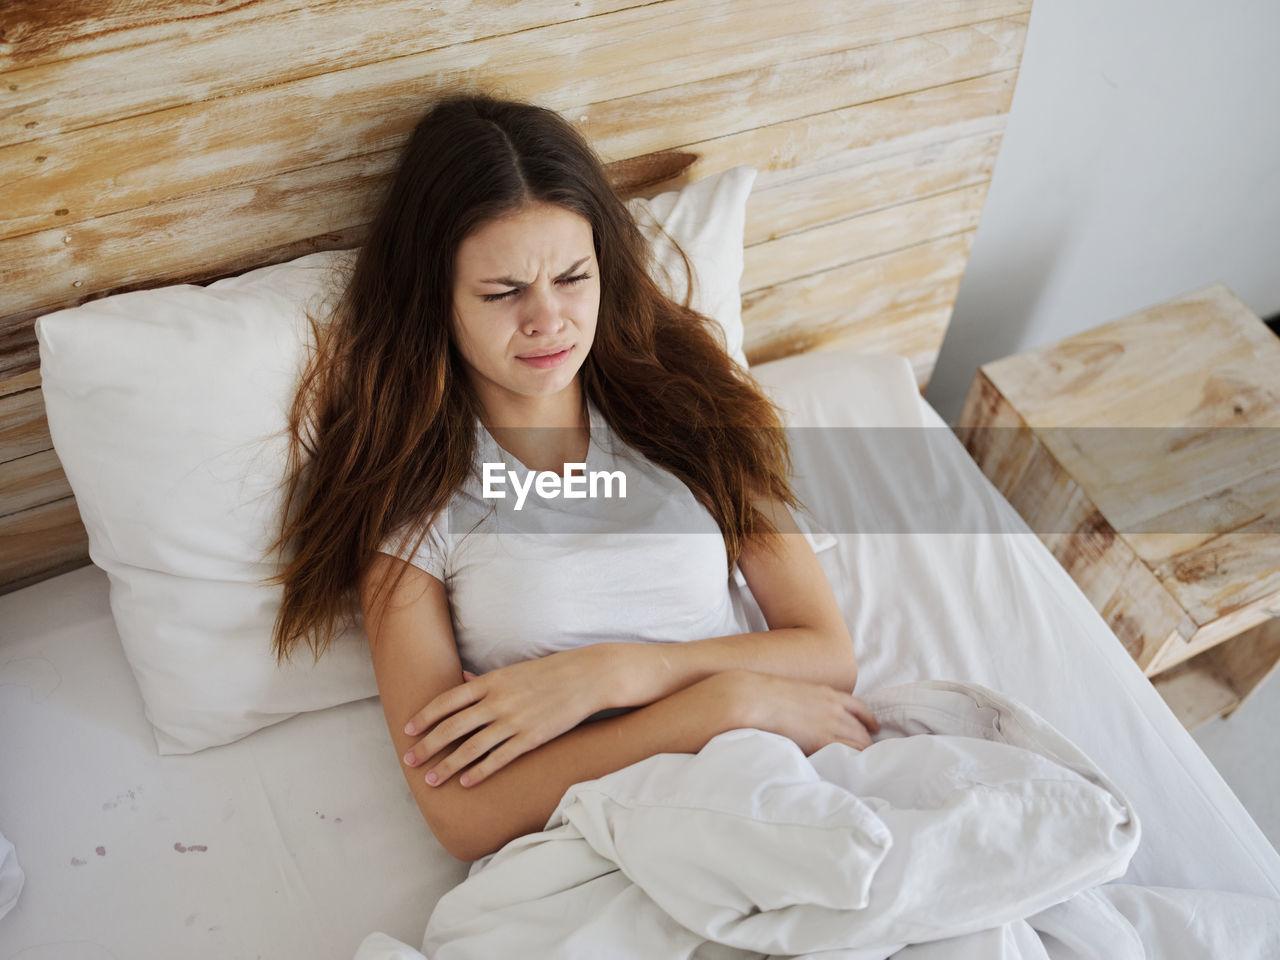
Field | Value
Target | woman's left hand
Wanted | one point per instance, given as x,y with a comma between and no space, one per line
510,711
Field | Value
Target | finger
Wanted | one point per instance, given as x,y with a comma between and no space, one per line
859,709
496,760
468,675
451,701
446,732
474,749
857,736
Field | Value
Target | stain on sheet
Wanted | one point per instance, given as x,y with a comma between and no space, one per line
35,675
194,848
129,796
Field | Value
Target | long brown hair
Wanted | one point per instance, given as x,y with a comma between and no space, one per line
381,430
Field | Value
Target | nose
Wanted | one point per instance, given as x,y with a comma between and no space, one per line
542,313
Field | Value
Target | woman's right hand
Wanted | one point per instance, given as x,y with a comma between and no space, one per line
811,715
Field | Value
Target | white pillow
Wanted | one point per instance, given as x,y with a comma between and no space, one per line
707,219
167,410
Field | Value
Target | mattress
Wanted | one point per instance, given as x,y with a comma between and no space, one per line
302,838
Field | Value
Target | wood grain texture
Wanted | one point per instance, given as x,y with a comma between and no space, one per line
857,238
286,216
23,428
779,206
698,110
41,542
1140,611
1168,419
17,384
713,55
143,145
77,65
1218,681
31,481
1146,454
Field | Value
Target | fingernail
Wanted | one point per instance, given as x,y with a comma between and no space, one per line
432,778
408,758
465,780
408,728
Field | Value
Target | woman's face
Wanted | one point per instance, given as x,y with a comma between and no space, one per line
526,293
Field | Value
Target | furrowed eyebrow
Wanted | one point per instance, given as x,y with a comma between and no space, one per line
521,284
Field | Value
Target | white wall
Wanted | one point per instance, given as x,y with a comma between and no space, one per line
1141,160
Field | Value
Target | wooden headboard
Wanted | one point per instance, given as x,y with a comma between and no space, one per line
183,141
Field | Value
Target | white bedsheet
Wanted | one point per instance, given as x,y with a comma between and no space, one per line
751,845
303,838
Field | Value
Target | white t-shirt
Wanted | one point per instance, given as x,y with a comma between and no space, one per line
560,573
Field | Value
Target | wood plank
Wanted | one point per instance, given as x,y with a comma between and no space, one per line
213,53
1218,681
31,481
1184,466
1066,384
19,383
1248,502
41,542
776,209
746,99
23,427
1144,616
994,434
911,329
1195,696
36,31
833,305
211,235
207,54
864,133
1231,573
861,237
1217,631
201,146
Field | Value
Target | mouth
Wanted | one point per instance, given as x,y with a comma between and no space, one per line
546,359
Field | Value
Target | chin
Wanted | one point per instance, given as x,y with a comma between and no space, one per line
549,388
542,383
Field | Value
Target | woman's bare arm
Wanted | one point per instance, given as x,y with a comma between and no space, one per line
807,637
415,658
510,711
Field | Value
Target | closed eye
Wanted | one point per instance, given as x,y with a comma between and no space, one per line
567,281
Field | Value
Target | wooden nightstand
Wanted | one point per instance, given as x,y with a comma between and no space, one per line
1146,455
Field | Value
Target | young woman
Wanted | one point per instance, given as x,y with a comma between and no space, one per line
501,312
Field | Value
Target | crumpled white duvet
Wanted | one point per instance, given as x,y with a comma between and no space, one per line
969,829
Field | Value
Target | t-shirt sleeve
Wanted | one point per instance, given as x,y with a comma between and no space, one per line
431,555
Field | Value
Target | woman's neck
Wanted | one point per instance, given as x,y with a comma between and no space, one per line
543,433
505,411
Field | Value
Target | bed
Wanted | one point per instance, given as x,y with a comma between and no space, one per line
287,831
301,839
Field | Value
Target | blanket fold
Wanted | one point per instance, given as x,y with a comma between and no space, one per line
967,818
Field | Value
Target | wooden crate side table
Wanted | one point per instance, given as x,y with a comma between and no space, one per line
1145,453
